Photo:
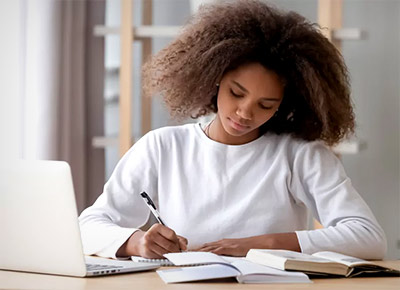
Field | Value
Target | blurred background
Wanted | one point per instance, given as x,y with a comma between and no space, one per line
63,83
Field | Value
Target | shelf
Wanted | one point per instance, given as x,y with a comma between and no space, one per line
107,142
103,142
112,70
349,147
148,31
348,34
140,32
101,30
111,98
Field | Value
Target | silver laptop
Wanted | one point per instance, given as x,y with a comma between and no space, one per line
39,229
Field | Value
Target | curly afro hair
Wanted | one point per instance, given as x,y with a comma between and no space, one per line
221,37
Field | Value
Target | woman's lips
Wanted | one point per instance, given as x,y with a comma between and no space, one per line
237,126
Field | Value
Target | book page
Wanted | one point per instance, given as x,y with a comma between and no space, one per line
343,259
190,258
197,273
249,268
295,256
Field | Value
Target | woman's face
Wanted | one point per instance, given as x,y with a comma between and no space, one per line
247,98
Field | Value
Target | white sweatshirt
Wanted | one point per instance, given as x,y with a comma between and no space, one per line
206,191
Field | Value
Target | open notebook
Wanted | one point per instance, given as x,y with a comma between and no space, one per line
217,267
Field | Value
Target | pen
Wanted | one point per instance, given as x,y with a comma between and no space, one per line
152,207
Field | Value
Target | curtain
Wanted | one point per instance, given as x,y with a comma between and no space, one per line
64,89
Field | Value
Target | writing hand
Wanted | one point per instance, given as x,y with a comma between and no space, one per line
155,242
228,247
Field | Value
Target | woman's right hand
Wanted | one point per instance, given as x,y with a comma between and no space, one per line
155,242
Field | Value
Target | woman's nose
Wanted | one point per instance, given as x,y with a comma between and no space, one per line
244,112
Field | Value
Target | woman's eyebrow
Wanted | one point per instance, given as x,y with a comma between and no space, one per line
246,91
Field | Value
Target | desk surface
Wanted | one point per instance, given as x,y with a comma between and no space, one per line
150,280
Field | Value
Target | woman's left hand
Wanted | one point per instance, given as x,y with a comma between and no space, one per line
228,247
240,247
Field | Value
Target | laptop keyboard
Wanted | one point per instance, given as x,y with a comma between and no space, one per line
95,267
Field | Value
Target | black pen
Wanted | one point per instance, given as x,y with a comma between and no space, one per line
152,207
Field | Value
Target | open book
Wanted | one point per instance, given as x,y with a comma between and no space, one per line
318,263
224,267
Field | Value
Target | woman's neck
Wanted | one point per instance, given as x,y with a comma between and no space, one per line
215,131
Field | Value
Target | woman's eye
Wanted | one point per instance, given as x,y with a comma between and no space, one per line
265,107
234,94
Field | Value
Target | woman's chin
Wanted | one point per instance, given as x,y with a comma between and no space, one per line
233,132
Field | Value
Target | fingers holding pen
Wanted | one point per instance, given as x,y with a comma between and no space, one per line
183,243
159,240
165,238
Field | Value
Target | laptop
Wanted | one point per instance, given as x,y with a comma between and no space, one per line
39,224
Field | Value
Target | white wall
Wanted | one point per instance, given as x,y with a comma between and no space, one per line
374,64
11,77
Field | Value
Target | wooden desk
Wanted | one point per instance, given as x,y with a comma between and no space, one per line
150,280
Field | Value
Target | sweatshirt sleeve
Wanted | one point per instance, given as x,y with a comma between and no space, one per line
320,182
120,211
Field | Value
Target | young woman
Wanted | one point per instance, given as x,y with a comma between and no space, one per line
247,179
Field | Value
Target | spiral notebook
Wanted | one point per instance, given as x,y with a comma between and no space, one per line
162,262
